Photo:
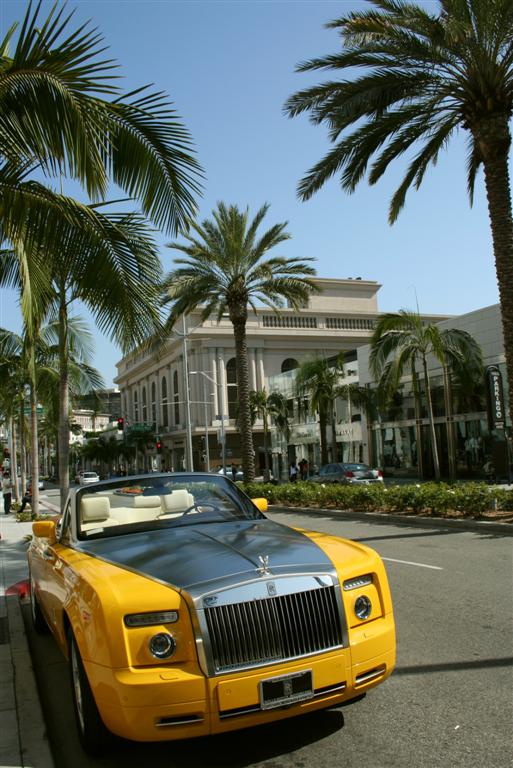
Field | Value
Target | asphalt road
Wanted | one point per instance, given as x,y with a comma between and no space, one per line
448,704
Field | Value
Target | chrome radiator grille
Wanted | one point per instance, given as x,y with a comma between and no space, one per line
283,627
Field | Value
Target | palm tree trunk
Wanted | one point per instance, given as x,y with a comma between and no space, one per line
334,446
14,461
494,141
63,399
432,431
324,439
266,449
449,422
23,455
246,433
35,448
418,420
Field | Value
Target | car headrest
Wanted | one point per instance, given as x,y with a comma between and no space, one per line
178,501
94,508
146,501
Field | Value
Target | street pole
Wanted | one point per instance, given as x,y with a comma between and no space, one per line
221,402
207,451
190,459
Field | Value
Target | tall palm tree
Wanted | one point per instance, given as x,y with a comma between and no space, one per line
226,270
426,73
319,378
403,340
62,113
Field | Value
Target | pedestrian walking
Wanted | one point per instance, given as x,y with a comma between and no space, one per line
293,472
7,492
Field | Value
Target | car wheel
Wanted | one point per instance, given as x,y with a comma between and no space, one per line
92,733
38,620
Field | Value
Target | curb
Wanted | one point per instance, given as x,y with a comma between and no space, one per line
35,748
464,524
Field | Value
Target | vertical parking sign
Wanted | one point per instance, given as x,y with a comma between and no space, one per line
496,415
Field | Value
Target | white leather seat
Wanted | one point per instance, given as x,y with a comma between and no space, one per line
176,502
95,512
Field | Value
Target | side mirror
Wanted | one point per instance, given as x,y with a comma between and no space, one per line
261,504
45,529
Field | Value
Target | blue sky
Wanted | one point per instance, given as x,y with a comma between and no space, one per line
229,67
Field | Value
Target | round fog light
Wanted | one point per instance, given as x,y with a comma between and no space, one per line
162,646
362,607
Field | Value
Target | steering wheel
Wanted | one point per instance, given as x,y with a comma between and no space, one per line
201,506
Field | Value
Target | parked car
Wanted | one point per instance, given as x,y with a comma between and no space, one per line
348,474
86,478
239,474
40,483
187,612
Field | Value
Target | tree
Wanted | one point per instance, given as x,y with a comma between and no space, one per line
226,272
403,340
63,113
319,378
425,76
270,406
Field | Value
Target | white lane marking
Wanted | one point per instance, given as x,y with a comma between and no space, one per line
408,562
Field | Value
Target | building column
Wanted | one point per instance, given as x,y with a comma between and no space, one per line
260,369
223,405
212,370
252,370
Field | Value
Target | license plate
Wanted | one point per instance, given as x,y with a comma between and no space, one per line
286,690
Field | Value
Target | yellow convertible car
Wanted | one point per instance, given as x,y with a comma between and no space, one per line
184,611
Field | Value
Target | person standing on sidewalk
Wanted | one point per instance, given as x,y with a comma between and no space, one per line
7,492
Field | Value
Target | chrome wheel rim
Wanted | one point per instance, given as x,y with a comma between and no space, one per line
77,688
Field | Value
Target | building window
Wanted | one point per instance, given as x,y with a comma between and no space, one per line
136,407
176,396
232,389
144,406
289,365
164,402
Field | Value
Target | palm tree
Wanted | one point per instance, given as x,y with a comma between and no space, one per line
271,407
319,378
403,340
226,272
425,76
63,114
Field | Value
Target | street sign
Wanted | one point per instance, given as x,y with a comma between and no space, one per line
496,415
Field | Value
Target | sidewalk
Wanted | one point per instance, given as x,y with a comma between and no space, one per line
23,740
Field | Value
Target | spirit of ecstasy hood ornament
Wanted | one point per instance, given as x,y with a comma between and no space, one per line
264,561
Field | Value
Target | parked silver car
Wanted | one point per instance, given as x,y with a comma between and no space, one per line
348,474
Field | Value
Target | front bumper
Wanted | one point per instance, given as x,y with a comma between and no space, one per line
165,703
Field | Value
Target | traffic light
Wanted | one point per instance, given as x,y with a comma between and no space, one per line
121,424
158,446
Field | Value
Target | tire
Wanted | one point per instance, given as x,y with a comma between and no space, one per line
38,620
94,736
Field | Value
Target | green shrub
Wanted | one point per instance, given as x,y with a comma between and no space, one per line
438,499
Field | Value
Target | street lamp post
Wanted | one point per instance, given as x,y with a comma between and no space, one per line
223,434
188,427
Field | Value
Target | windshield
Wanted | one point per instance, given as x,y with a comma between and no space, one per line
159,501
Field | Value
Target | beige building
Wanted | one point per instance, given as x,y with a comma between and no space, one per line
340,318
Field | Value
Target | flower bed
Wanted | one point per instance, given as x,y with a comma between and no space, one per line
475,500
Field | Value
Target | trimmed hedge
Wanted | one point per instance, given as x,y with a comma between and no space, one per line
438,499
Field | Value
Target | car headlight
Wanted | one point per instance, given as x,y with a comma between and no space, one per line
154,617
362,607
358,581
162,645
